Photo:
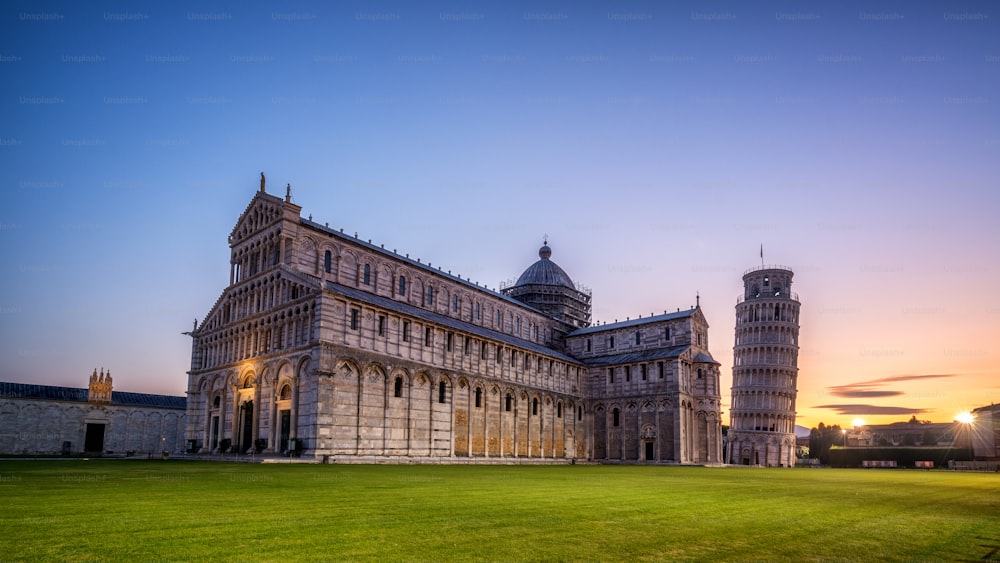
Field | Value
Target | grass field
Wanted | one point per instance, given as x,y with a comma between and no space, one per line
182,510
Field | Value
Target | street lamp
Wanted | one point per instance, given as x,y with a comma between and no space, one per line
844,432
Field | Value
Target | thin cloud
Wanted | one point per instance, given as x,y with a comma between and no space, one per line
860,394
857,409
870,388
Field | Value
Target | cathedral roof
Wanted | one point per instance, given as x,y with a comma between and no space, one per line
649,356
634,322
545,271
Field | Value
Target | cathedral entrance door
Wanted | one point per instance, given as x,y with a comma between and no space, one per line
649,451
285,429
94,440
246,433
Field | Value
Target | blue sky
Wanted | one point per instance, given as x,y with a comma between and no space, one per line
657,144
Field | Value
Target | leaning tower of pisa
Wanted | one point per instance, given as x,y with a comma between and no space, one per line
765,370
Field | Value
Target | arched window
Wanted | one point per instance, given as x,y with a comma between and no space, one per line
442,389
454,303
367,276
327,260
430,296
479,397
218,401
534,406
398,387
558,410
284,394
402,285
615,418
579,413
509,403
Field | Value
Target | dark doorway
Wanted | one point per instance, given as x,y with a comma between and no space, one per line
215,432
94,441
246,433
649,451
285,429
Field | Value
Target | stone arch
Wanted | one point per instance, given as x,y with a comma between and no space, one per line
302,366
349,259
415,291
310,255
400,372
374,372
422,378
382,274
347,368
248,379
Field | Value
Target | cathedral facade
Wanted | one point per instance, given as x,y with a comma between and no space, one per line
327,346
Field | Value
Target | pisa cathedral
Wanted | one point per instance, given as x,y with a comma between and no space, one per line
331,347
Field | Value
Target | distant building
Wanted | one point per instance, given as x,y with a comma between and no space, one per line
765,370
985,429
910,433
45,419
336,348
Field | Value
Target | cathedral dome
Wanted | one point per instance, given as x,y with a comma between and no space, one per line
545,272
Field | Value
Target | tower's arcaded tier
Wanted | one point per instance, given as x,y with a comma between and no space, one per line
765,370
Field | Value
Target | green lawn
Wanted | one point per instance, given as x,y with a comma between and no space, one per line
179,510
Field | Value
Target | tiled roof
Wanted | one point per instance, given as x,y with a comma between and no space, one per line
430,316
45,392
647,356
636,357
633,322
148,400
53,393
705,358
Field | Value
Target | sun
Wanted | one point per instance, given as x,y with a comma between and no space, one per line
965,417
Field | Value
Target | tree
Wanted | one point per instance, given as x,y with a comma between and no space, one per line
821,439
